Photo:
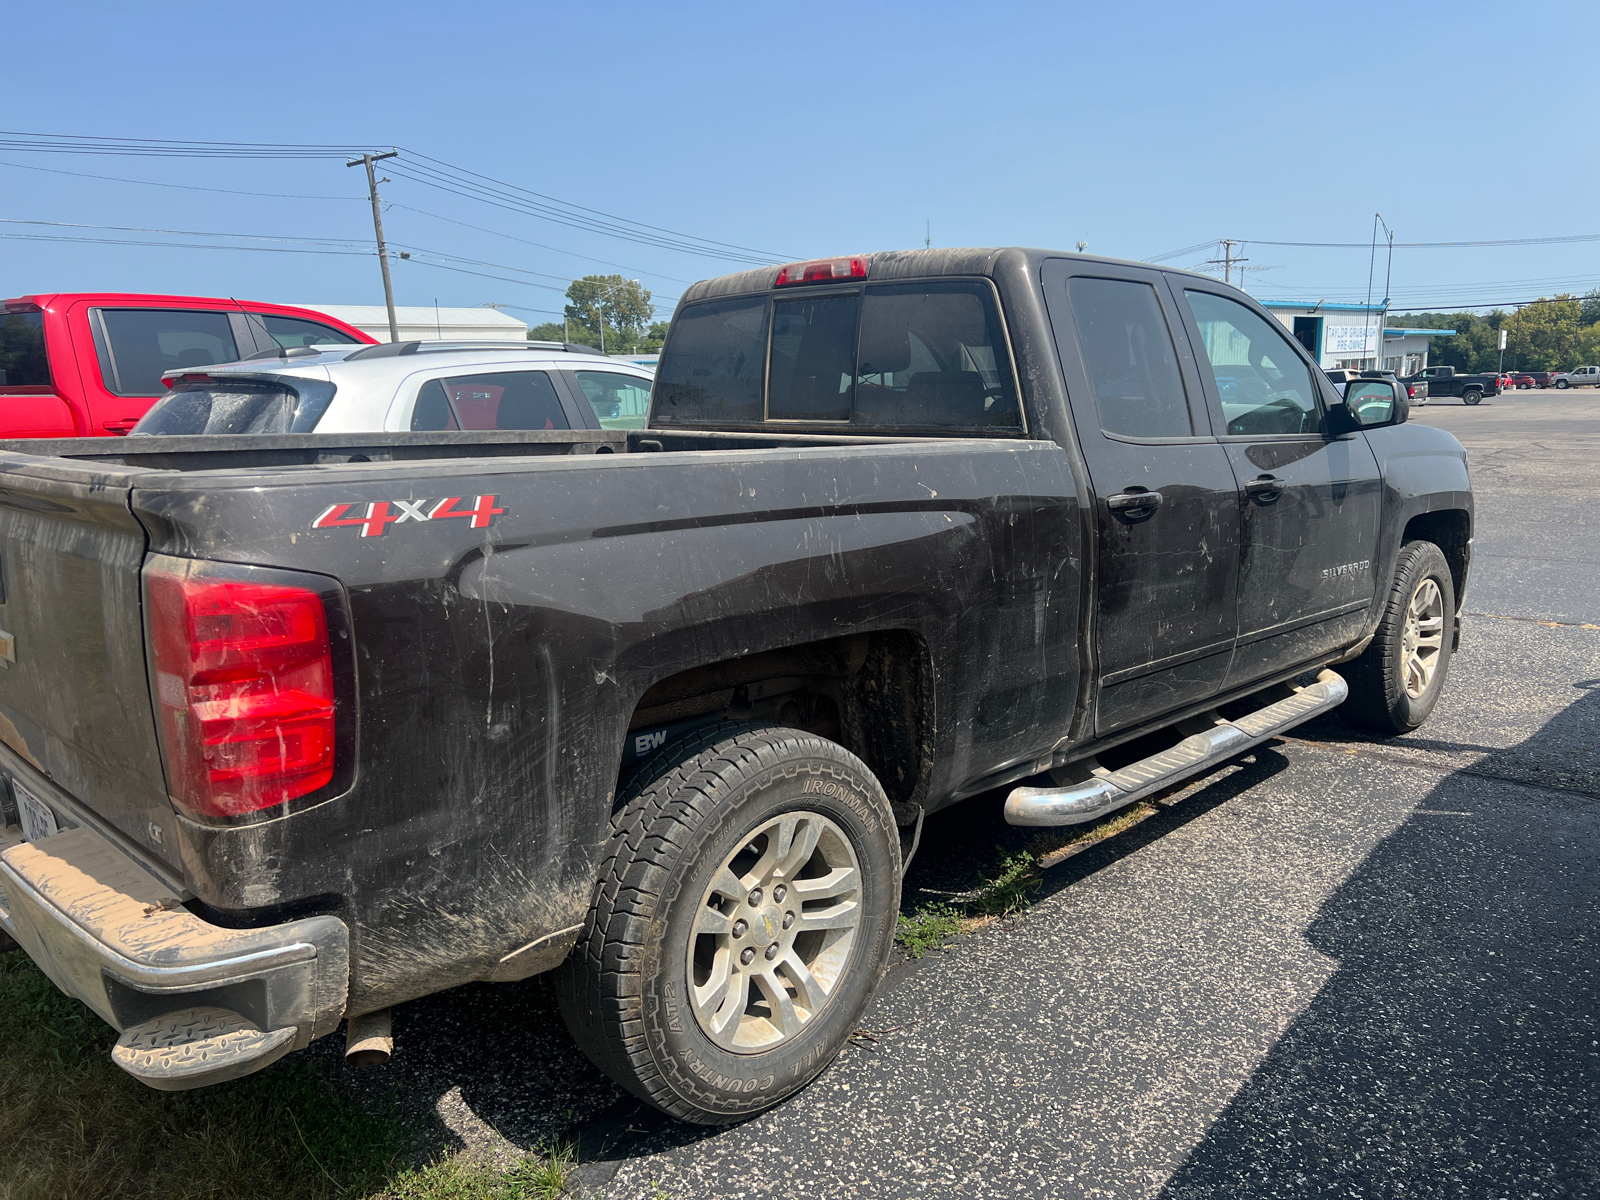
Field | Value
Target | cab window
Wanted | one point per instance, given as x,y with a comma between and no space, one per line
1128,354
1264,386
22,357
142,343
932,355
289,332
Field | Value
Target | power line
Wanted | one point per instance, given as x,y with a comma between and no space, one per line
511,203
556,249
439,163
427,170
187,187
72,143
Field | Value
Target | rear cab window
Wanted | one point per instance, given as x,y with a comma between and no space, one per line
927,355
23,362
137,346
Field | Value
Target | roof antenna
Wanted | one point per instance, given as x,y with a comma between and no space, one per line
247,315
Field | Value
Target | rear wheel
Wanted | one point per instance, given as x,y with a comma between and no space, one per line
1396,682
1471,396
745,910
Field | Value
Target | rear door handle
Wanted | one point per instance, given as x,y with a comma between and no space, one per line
1134,501
1264,487
122,426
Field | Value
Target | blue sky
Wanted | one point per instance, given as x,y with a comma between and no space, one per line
807,130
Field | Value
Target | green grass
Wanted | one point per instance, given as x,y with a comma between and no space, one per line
1012,889
73,1125
927,928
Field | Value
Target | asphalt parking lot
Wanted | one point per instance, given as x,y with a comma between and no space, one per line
1337,967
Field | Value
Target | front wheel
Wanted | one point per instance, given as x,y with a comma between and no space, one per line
1397,680
1562,385
1471,396
744,913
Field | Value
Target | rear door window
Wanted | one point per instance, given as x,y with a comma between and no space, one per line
139,344
713,369
1129,358
619,401
23,362
289,332
498,400
932,355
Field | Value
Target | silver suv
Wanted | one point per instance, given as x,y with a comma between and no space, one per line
399,386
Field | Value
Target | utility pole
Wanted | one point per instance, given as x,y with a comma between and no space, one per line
1228,259
927,235
377,226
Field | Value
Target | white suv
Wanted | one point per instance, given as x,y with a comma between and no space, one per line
401,386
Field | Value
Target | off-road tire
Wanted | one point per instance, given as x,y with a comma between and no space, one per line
1471,396
1378,697
624,991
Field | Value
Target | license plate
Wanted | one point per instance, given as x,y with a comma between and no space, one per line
38,822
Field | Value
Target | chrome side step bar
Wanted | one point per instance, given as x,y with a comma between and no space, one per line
1105,791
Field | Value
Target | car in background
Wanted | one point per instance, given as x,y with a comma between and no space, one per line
84,364
403,386
1447,381
1535,379
1577,377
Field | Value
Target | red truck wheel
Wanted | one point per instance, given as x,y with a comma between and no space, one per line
743,915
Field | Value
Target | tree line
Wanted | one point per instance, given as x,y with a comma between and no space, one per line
607,312
1554,334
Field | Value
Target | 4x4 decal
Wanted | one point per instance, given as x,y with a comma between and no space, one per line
380,514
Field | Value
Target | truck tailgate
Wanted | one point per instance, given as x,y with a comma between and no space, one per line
75,702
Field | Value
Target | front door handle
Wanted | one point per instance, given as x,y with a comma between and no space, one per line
1135,501
1264,488
122,426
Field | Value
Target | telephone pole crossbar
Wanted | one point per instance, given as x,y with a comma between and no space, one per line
377,228
1228,261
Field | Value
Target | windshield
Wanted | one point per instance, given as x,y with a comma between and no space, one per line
265,406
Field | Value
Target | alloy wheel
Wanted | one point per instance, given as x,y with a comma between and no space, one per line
774,933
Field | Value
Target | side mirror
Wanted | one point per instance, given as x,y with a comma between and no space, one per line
1370,403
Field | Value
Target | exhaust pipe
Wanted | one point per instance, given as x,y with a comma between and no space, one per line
369,1039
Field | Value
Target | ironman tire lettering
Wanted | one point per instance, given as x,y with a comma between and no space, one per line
378,516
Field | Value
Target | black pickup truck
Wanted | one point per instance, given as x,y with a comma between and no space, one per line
295,728
1447,381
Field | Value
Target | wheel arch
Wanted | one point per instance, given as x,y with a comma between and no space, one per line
1451,530
872,693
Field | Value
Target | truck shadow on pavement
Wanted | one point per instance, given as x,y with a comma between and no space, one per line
1455,1050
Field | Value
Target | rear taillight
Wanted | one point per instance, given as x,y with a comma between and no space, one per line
244,690
823,270
1411,392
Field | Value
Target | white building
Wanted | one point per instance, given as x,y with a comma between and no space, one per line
429,324
1405,351
1336,335
1355,336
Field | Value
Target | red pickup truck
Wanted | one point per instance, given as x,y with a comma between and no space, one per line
87,364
